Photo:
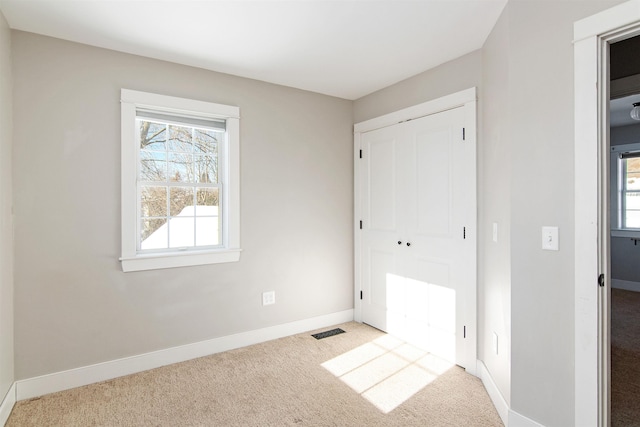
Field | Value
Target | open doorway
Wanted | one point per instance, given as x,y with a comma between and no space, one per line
593,36
624,243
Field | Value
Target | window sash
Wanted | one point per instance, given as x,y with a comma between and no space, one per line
186,122
181,120
625,210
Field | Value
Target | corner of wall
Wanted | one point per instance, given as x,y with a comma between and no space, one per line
7,372
7,404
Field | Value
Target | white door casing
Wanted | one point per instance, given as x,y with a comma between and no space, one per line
591,88
416,185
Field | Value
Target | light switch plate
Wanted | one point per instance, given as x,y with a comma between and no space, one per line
495,231
550,238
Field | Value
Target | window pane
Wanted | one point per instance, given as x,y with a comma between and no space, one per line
207,198
207,233
184,216
633,174
152,135
181,167
153,201
206,169
181,201
181,232
180,139
153,233
632,212
153,166
207,219
206,141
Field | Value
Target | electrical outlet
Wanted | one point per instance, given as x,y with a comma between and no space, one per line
269,298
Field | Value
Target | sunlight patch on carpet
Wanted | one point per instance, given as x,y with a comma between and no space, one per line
387,371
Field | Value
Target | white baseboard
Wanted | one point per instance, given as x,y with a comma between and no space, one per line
517,420
7,404
627,285
509,417
494,393
51,383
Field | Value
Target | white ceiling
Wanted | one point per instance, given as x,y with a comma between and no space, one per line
344,48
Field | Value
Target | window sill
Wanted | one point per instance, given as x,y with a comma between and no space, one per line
626,233
172,260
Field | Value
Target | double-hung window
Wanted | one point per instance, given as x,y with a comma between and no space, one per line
180,190
625,194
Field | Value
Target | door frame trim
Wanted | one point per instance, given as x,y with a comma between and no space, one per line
466,98
448,102
592,36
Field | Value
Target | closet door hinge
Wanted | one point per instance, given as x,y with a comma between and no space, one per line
601,280
360,153
360,294
464,134
464,232
360,224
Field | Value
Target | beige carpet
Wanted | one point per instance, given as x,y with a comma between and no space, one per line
360,378
625,358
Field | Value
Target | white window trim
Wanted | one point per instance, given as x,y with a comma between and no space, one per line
616,209
131,260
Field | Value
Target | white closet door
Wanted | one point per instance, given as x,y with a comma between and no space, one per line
418,193
440,173
380,231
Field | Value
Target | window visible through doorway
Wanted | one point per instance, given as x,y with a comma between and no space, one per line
625,180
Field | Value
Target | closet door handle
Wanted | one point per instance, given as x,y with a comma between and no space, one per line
399,242
408,244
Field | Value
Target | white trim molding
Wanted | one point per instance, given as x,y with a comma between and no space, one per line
518,420
132,258
438,105
7,404
508,416
59,381
494,393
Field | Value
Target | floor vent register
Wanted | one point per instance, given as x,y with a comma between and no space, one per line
327,334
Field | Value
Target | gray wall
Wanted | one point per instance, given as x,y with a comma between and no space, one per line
540,132
625,260
6,233
625,135
73,304
494,258
526,182
625,255
446,79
